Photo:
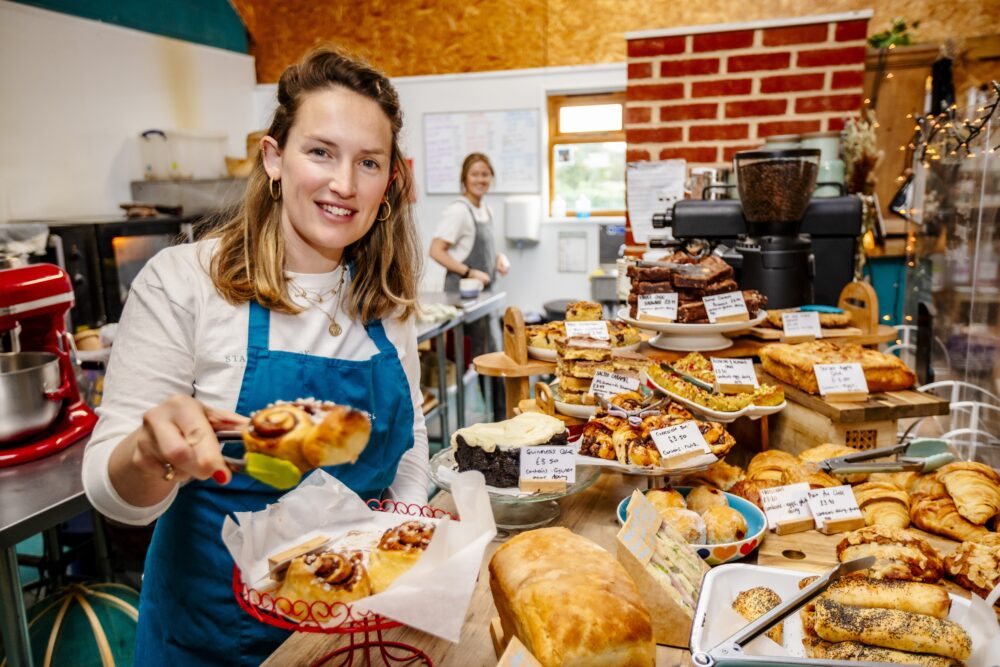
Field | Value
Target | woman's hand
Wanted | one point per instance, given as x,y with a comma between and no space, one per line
503,264
481,276
176,442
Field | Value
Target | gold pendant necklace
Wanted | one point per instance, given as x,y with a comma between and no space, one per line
333,329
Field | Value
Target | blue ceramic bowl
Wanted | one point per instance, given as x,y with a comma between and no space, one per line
717,554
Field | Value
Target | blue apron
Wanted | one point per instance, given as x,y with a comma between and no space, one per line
188,614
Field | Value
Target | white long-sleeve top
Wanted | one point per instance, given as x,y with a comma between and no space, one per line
179,336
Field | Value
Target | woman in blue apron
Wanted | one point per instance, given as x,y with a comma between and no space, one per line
325,222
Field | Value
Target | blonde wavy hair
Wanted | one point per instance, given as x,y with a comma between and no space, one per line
250,260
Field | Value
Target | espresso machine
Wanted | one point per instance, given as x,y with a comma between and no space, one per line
793,248
41,411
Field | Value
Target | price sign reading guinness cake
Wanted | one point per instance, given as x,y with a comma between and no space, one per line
547,468
598,329
728,307
657,307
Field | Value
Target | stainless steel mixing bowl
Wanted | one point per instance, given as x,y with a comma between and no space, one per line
25,377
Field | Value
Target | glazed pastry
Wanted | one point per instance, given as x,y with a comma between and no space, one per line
328,576
899,554
912,596
856,651
703,497
753,603
632,448
397,551
309,433
749,489
975,567
891,628
975,488
937,513
883,504
724,525
721,475
666,498
687,523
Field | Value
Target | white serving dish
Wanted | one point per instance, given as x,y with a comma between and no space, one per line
751,411
571,409
715,620
550,354
691,337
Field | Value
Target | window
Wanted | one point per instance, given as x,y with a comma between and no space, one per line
587,152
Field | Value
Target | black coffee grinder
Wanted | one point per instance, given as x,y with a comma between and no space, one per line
793,249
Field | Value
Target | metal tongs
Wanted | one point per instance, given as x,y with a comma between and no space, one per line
634,417
730,651
919,455
701,384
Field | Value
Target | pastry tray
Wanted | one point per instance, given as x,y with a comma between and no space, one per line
751,411
694,465
715,620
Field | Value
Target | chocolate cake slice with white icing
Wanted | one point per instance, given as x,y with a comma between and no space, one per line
493,448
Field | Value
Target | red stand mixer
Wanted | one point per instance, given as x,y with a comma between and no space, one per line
41,411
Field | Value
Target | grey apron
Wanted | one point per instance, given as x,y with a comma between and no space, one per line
482,257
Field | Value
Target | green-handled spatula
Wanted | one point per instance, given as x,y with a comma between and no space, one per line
270,470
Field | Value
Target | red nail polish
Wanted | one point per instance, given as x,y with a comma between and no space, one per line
219,476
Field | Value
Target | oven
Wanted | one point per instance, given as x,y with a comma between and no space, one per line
103,257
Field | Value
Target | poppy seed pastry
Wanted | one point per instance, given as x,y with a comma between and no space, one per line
494,448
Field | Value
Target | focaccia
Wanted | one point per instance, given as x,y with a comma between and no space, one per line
570,602
794,364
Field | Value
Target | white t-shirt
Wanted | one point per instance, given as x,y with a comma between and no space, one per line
458,228
179,336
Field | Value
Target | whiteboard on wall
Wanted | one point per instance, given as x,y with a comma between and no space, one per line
509,138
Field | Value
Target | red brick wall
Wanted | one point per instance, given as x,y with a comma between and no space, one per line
704,96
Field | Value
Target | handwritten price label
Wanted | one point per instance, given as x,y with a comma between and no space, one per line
544,463
803,324
598,329
730,305
639,531
660,306
679,442
835,504
734,373
783,504
607,384
840,379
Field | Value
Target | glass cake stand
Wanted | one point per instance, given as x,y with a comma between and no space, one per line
516,512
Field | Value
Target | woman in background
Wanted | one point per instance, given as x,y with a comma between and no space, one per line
463,244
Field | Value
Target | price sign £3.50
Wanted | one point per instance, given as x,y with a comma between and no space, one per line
547,468
679,443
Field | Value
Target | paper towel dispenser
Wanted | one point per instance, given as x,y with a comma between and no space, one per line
522,218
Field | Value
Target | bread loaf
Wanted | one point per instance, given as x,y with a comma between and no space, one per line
570,602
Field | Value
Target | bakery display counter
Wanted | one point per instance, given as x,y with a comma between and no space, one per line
590,514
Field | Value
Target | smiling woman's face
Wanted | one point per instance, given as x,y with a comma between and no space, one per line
334,170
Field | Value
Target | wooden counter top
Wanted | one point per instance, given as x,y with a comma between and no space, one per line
590,513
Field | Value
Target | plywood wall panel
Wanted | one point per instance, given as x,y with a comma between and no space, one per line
412,37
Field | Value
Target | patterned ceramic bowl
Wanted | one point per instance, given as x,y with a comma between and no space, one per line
728,552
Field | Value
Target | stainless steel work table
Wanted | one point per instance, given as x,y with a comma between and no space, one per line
485,305
34,497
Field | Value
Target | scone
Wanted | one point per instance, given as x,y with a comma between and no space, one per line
666,498
398,550
703,497
724,525
687,523
328,576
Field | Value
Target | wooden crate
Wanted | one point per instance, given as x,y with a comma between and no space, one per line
797,428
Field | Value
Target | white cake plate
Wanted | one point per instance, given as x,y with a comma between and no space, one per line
691,337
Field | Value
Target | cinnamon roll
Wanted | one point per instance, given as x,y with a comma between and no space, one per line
398,550
328,576
309,433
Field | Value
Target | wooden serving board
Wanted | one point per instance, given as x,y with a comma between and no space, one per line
769,333
889,405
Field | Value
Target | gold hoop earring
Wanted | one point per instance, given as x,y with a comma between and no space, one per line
270,188
388,210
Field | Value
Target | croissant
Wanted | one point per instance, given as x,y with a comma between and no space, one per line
781,468
309,433
938,514
721,475
904,480
832,450
884,504
975,488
